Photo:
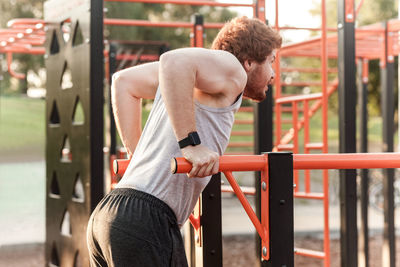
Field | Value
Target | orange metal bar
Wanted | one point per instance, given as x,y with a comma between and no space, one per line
349,10
346,161
23,50
297,98
295,141
195,221
242,133
306,141
226,163
302,162
146,23
120,166
365,70
245,203
309,253
185,2
278,87
245,189
324,77
244,121
305,28
309,195
308,70
241,144
20,76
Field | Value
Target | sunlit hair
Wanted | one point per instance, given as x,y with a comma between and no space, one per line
246,38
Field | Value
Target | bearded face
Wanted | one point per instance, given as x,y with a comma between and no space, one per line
259,76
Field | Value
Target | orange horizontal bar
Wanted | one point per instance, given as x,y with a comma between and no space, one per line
305,28
314,146
21,50
309,253
308,70
24,21
346,161
146,23
236,153
185,2
301,84
297,98
245,189
309,195
242,133
226,163
240,144
285,147
244,121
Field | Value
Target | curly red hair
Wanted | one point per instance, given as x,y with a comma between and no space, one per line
247,39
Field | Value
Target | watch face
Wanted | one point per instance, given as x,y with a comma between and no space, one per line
194,138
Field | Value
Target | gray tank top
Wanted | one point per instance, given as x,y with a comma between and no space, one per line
149,169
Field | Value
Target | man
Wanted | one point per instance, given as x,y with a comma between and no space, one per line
196,93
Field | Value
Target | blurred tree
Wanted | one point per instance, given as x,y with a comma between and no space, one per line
21,9
177,37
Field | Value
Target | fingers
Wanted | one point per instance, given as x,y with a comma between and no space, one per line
204,167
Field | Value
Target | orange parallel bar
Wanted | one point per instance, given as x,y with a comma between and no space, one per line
308,70
313,145
300,162
286,147
309,253
146,23
305,28
226,163
297,98
346,161
242,133
240,144
184,2
309,195
244,121
245,189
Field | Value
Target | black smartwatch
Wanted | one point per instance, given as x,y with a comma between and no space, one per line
193,139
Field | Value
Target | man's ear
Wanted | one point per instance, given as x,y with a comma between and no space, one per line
248,65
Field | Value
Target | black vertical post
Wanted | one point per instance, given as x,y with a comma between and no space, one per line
280,168
347,131
211,222
387,77
96,101
363,148
263,142
112,63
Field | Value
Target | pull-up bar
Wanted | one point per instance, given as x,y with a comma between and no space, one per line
301,162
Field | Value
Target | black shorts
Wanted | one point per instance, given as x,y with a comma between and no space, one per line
131,228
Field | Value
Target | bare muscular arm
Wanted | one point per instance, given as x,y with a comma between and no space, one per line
191,73
128,88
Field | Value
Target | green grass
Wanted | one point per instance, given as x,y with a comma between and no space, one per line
22,125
